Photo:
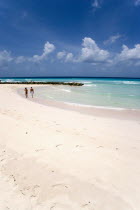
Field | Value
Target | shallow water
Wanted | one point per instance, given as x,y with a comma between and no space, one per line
108,93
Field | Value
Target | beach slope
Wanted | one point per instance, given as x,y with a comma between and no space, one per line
57,159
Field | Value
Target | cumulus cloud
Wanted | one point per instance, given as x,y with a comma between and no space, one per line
5,58
20,59
61,55
137,2
66,56
48,48
112,39
69,57
91,53
130,54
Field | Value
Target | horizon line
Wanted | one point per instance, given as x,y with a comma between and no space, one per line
72,77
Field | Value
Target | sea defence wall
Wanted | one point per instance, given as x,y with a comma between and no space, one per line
45,83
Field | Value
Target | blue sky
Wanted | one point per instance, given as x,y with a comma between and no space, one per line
70,38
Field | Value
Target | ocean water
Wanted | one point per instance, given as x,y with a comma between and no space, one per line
96,92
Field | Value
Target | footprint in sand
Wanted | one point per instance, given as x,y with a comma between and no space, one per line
58,145
100,147
2,159
35,191
60,185
53,206
58,131
2,153
87,205
79,146
13,177
39,150
59,206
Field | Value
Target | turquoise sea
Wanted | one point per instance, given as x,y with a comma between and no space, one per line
97,92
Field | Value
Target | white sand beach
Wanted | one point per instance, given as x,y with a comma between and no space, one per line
56,159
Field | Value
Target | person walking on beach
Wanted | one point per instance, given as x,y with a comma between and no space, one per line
26,92
32,92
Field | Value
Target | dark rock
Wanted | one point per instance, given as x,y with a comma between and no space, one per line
45,83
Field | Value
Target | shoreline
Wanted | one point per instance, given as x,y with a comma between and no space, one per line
118,113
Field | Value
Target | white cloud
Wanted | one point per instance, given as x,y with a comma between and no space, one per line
137,2
61,55
129,54
69,57
48,48
65,56
112,39
91,53
20,59
5,58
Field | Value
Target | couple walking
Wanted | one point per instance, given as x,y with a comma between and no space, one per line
31,92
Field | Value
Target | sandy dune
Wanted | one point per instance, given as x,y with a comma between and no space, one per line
54,159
